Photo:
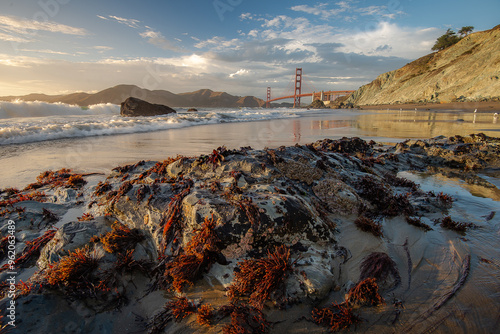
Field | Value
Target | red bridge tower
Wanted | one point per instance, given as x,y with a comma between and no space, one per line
298,87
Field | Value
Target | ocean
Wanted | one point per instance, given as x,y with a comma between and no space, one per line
39,136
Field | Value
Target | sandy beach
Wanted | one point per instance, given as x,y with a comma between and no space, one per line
486,106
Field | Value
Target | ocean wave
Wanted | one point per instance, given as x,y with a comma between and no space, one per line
24,109
40,121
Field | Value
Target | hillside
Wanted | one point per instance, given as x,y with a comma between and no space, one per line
466,71
117,94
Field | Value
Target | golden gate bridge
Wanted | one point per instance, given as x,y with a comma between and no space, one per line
326,97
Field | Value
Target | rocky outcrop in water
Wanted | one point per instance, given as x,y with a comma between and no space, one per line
133,107
468,71
262,224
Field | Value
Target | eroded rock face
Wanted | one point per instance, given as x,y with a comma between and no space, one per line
453,74
133,107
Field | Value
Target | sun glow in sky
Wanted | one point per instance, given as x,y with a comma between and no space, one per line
237,46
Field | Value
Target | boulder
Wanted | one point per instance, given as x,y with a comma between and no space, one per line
133,107
317,104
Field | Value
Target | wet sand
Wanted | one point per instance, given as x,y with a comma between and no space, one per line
22,163
486,106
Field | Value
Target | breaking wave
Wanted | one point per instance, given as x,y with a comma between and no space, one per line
26,122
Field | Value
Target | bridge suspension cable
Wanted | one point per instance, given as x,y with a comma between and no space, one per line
326,96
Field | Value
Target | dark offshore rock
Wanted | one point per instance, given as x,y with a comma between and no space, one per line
133,107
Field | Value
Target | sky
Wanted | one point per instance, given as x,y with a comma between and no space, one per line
237,46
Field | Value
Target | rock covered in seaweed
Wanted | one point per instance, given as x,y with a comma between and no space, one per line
186,221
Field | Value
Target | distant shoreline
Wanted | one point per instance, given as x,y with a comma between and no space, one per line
486,106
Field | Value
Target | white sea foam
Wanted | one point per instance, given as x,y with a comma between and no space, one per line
25,122
42,109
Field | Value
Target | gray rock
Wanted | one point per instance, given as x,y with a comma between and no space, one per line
133,107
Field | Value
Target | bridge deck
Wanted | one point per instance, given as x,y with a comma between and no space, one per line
328,93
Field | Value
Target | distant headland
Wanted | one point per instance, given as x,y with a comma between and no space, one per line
117,94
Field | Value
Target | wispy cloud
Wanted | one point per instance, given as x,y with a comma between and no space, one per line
22,26
157,39
132,23
218,43
240,72
12,38
102,48
320,10
46,51
347,10
152,36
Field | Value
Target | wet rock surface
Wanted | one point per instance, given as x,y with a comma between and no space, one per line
134,107
177,224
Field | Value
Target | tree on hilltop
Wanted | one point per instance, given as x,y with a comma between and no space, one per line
446,40
465,31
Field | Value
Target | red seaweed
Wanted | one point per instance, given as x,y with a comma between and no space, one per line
365,293
259,278
32,249
337,317
366,224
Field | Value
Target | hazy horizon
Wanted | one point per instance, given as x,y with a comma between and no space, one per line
240,47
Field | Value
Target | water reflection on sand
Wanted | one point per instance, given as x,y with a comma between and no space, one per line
22,163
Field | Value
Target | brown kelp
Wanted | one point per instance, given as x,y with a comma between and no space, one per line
120,238
417,222
450,224
171,219
74,271
125,263
32,249
86,217
337,317
176,310
205,315
33,196
259,278
379,265
365,293
199,254
244,319
60,178
366,224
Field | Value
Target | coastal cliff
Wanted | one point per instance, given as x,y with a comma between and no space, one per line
467,71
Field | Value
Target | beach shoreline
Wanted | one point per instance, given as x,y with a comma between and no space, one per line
23,162
484,106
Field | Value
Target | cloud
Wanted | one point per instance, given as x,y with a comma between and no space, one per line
375,37
102,48
218,43
157,39
23,27
11,38
150,34
132,23
384,36
272,51
347,10
46,51
320,10
240,72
